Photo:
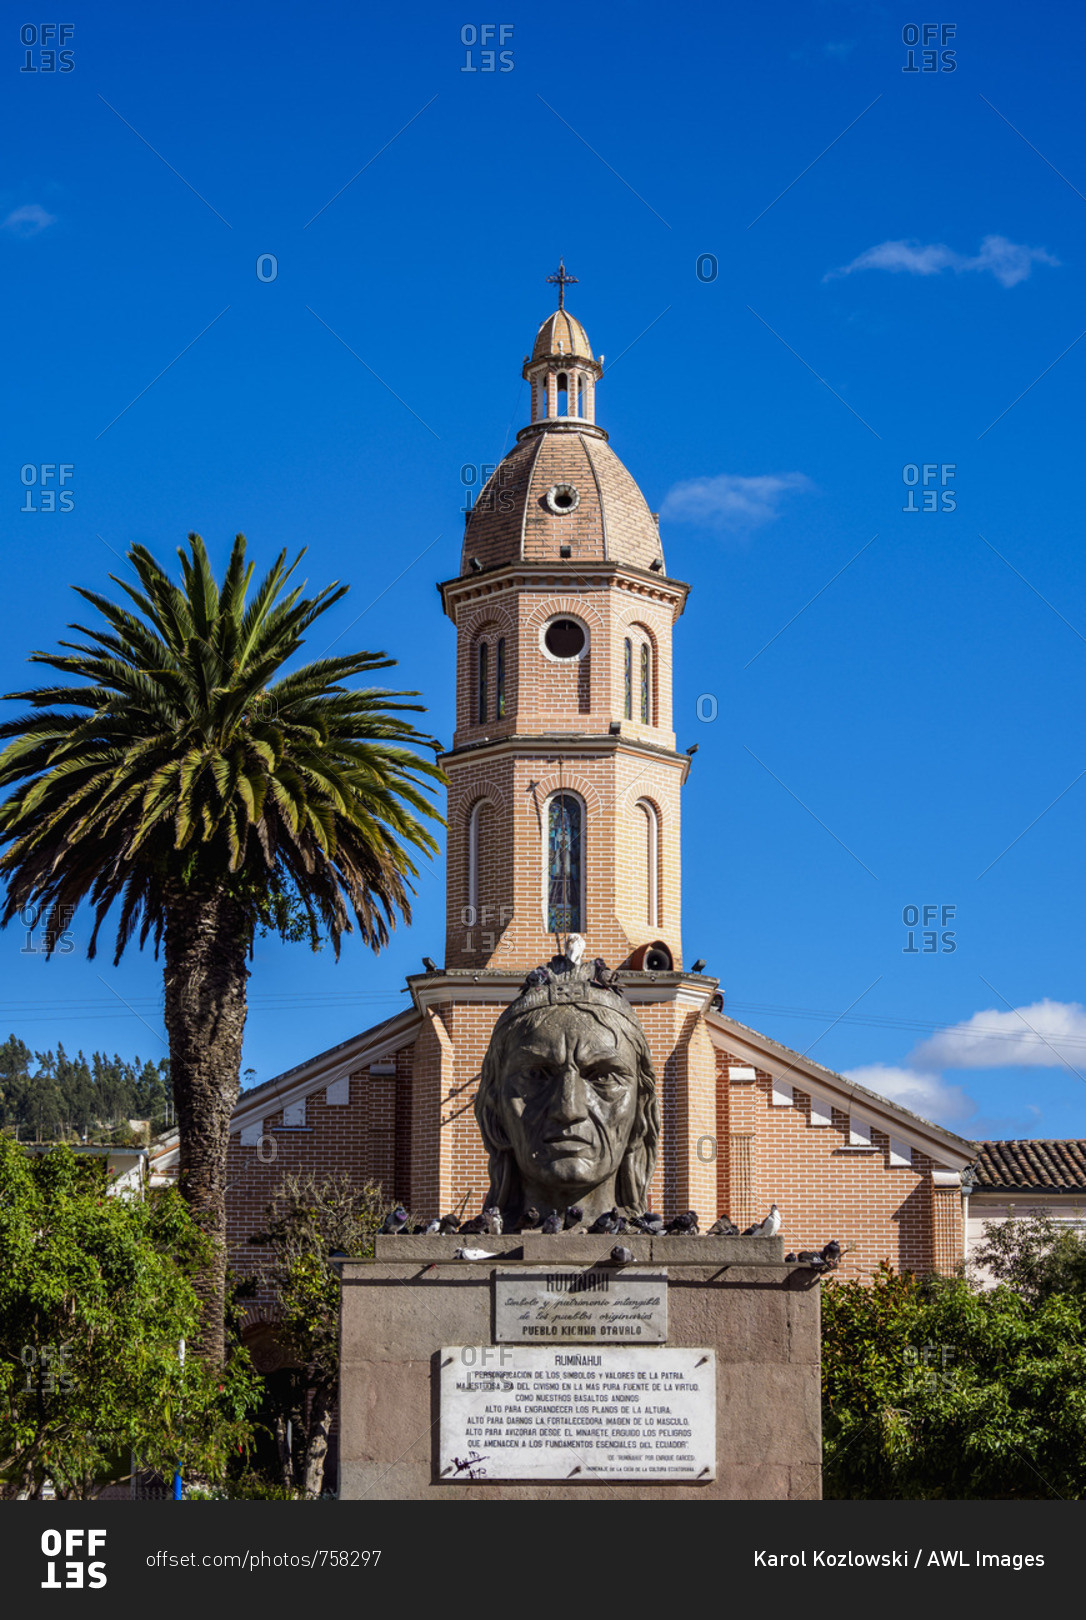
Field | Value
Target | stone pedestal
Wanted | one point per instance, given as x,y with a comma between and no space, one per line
415,1321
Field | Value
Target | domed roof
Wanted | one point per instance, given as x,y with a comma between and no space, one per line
555,489
561,333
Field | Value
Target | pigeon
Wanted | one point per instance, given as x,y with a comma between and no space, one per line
448,1225
808,1257
574,948
395,1221
531,1220
649,1222
723,1228
767,1228
475,1254
683,1225
790,1260
832,1253
538,976
552,1224
574,1216
606,1223
475,1227
621,1256
493,1218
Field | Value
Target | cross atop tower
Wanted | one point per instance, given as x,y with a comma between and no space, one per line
563,281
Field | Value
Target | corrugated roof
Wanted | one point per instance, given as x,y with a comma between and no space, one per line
1032,1166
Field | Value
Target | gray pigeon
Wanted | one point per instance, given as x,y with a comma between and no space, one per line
538,975
552,1224
574,1216
449,1224
808,1257
790,1260
475,1227
621,1256
723,1228
531,1220
604,1224
832,1252
395,1221
493,1217
683,1225
432,1228
649,1222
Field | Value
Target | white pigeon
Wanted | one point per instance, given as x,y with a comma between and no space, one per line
475,1254
770,1226
575,945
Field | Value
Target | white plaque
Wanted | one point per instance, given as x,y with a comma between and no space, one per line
560,1413
582,1305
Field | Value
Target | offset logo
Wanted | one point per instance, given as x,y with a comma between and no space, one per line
78,1571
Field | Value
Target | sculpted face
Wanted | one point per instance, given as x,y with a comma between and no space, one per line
568,1101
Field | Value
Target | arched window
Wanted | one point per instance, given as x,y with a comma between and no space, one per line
484,654
628,677
564,864
646,684
499,680
650,831
473,857
563,403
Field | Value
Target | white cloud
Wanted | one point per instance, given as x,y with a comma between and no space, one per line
28,220
920,1090
728,501
1009,262
1044,1035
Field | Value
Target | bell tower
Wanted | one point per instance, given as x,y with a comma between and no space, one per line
564,780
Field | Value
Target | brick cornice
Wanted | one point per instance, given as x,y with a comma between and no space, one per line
563,577
542,744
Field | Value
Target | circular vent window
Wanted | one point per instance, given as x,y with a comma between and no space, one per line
565,638
562,498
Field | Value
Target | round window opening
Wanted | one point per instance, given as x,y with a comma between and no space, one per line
564,638
562,498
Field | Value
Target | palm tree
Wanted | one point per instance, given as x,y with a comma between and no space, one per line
207,798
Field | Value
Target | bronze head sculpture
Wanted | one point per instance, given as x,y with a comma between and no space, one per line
567,1103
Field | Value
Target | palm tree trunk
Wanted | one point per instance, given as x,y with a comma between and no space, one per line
207,939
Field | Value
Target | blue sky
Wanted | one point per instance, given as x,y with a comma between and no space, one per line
898,285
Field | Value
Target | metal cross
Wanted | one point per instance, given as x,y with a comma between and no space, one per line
563,282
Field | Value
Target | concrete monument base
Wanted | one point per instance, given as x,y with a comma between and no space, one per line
440,1398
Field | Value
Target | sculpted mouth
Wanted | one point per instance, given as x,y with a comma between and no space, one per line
567,1144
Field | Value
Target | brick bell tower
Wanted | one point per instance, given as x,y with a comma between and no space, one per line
564,780
563,808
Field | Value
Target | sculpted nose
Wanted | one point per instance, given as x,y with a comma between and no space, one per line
569,1097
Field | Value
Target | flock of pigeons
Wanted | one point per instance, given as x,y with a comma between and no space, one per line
490,1224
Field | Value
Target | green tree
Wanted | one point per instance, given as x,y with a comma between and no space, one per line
935,1388
1037,1255
311,1220
96,1294
187,786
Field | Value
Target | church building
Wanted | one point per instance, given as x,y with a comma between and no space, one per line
564,816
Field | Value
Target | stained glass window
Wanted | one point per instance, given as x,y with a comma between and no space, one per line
483,656
645,676
628,709
564,866
499,680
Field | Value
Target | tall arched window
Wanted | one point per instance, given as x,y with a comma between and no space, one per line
646,684
563,402
473,858
650,831
484,654
499,680
627,669
565,864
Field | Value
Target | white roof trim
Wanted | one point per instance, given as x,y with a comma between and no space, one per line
751,1047
325,1069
